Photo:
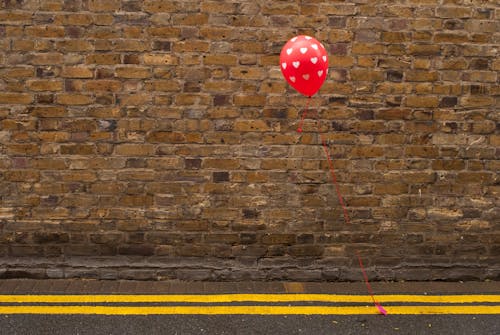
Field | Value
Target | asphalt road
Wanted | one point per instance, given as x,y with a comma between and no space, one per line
237,324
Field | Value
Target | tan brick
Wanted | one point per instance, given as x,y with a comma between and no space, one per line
131,45
104,5
220,163
249,100
159,59
220,59
74,19
396,37
134,150
219,7
103,85
450,38
422,76
74,99
422,151
248,73
367,152
45,31
164,32
77,72
16,98
454,12
103,59
23,149
22,175
133,72
422,101
15,17
193,46
424,49
477,101
366,75
251,125
45,85
367,48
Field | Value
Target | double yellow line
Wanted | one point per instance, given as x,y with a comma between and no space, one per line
256,304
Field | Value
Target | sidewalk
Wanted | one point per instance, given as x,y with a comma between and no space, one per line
76,286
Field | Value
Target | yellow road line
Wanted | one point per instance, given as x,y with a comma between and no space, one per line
246,310
227,298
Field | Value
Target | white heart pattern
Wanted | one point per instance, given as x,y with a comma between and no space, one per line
294,39
314,46
320,73
292,79
296,64
308,37
324,58
314,60
289,51
303,50
305,76
283,65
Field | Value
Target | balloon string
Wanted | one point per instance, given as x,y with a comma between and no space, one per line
369,287
346,213
304,113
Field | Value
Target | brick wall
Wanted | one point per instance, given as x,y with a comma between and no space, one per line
157,139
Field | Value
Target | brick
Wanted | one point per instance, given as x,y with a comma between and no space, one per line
249,100
450,38
45,31
159,59
74,99
476,101
77,72
367,48
426,76
367,75
134,150
104,6
424,49
45,85
16,98
226,164
422,101
78,149
103,59
453,12
134,72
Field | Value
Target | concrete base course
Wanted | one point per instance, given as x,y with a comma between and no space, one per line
132,268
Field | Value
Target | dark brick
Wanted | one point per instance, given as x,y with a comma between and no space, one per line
219,177
396,76
250,213
48,237
136,249
192,163
448,102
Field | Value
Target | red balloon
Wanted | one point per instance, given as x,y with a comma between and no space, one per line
304,64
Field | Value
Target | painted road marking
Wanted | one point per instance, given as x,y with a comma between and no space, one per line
228,298
247,310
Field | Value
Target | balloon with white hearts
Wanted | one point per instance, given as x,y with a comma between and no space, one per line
304,64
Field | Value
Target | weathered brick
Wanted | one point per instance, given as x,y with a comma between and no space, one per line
164,128
454,12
